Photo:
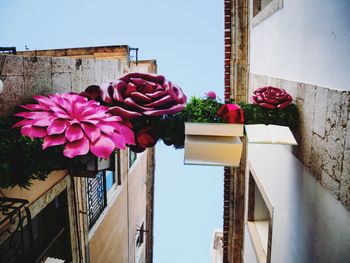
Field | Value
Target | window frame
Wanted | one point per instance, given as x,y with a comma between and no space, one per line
131,160
266,12
108,195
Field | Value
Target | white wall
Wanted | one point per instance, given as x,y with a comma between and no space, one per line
306,41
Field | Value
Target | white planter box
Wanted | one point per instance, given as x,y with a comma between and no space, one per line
213,144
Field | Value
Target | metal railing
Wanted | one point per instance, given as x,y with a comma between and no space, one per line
96,197
16,236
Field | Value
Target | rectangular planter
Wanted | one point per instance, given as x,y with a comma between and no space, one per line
213,144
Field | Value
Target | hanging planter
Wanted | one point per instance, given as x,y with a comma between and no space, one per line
213,144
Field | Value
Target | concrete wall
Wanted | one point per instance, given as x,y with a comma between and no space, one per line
305,41
324,131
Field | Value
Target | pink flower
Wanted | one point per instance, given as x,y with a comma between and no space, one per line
137,94
271,98
211,95
71,120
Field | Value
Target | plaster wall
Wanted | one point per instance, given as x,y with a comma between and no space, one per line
123,219
305,41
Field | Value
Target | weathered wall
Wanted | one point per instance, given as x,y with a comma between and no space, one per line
24,77
324,131
305,41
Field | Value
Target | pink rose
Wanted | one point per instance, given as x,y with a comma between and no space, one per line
271,98
137,94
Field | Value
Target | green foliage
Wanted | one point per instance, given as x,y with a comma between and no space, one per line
23,160
255,114
172,127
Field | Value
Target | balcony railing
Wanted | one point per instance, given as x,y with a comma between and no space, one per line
16,236
96,197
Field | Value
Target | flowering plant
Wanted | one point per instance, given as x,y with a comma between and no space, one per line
73,121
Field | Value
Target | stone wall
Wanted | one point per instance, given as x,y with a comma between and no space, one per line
323,134
24,77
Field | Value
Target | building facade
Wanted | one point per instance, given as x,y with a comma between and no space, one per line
108,218
301,46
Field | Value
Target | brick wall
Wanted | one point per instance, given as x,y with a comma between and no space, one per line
323,133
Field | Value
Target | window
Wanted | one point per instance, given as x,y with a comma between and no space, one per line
139,241
100,189
259,220
140,237
132,157
262,9
96,197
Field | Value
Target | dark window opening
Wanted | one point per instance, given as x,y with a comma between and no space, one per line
51,231
132,157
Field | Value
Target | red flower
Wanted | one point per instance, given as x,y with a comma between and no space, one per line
144,138
271,98
231,113
137,94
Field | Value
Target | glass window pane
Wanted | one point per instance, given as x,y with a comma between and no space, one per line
110,180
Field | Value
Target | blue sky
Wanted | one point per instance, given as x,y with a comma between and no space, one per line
186,39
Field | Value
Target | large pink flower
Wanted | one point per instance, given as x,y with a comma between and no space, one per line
81,125
137,94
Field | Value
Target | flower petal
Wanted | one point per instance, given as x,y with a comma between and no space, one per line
79,147
128,134
34,114
43,122
161,102
91,131
118,88
33,131
106,128
172,110
56,127
127,114
34,107
43,100
53,140
104,93
119,140
23,122
74,132
102,147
